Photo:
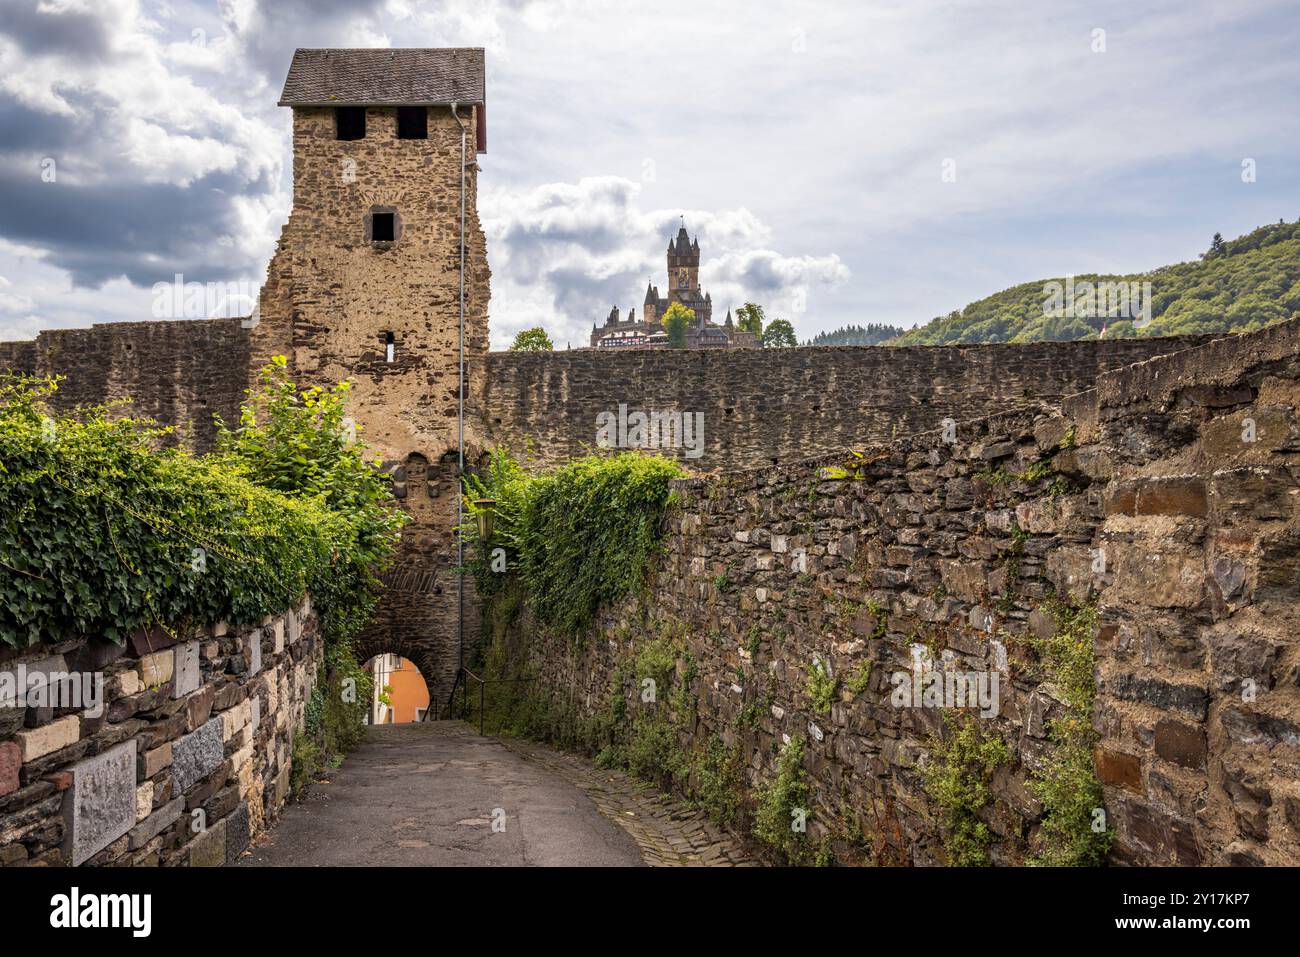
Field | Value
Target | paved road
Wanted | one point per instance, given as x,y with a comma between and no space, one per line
425,794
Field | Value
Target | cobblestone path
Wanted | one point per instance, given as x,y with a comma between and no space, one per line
431,795
668,831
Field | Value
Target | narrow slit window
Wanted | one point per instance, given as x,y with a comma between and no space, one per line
390,347
412,122
381,228
350,122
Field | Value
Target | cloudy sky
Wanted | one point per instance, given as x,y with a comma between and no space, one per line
841,162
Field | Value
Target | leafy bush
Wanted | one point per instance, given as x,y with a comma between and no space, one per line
103,532
299,442
783,801
333,721
719,781
958,780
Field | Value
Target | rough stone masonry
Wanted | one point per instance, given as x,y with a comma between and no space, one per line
185,759
1169,495
365,285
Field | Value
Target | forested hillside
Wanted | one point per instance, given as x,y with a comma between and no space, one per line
869,335
1237,285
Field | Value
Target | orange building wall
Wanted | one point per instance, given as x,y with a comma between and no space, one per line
409,692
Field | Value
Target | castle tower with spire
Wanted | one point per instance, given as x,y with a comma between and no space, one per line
683,269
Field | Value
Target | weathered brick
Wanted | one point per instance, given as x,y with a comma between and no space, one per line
48,738
1191,699
1166,839
151,762
1175,495
11,760
1180,743
156,823
157,669
1118,768
209,848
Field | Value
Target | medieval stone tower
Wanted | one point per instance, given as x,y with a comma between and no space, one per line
366,284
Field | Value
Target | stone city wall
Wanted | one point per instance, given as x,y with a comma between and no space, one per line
177,372
763,407
1167,500
183,759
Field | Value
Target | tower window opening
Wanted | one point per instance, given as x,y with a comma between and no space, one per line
381,228
390,347
350,122
412,122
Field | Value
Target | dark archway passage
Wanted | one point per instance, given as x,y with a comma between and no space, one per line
419,613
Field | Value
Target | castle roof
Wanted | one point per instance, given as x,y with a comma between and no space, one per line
410,76
683,244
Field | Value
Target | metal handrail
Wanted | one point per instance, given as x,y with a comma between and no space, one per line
451,695
464,700
463,678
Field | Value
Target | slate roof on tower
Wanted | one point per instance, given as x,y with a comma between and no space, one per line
409,76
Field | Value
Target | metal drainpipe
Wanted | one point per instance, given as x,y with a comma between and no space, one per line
460,422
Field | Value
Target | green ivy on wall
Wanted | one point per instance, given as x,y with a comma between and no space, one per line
103,531
577,537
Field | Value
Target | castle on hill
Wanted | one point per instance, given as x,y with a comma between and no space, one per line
683,287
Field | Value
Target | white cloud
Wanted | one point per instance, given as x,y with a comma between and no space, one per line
13,302
808,166
563,253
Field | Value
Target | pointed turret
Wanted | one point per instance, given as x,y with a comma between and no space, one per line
683,243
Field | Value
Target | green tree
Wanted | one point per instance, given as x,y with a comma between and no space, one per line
779,333
532,340
676,320
871,334
750,318
1217,246
299,442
